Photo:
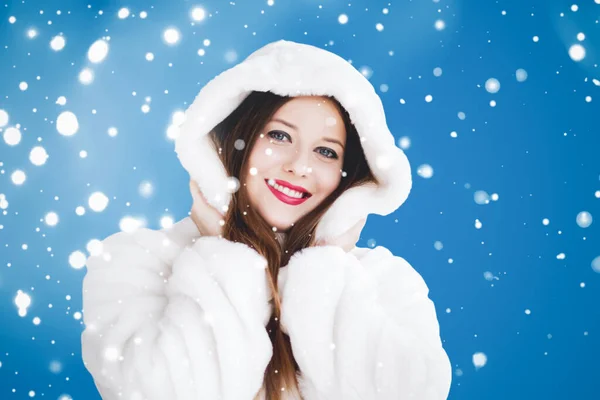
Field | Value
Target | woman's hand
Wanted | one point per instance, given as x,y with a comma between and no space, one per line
207,219
347,240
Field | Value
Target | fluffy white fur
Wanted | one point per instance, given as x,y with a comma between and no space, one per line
167,318
362,326
295,69
171,315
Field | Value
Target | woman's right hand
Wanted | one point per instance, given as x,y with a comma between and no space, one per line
207,219
347,241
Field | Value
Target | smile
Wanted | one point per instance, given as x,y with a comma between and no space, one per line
286,195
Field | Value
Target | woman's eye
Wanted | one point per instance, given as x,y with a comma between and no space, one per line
278,135
329,153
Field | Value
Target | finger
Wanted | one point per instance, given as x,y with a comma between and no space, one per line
360,225
194,189
355,230
205,210
349,239
197,194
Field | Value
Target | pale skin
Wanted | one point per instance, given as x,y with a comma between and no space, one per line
302,144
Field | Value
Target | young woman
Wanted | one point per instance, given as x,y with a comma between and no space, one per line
262,293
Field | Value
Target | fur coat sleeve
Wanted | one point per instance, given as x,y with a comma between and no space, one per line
362,326
166,319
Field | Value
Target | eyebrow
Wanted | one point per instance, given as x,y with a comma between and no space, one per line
294,127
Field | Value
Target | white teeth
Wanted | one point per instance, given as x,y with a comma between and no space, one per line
286,191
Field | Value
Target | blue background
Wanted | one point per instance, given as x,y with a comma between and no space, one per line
537,149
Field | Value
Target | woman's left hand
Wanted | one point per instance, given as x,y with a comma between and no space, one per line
347,240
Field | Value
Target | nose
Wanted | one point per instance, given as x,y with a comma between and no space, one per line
297,163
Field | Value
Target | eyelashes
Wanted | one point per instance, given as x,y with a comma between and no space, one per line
281,135
272,134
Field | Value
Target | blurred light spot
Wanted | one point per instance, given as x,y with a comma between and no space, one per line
86,76
166,222
98,201
146,189
55,367
479,360
231,56
425,171
12,136
171,36
67,124
481,197
18,177
38,156
584,219
94,247
521,75
404,142
198,14
77,259
98,51
131,224
577,52
492,85
22,301
57,43
596,264
51,219
112,131
366,71
3,118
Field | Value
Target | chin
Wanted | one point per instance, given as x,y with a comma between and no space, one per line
282,226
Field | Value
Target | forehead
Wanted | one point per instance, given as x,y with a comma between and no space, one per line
313,114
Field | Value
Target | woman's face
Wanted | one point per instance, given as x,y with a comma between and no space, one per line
302,146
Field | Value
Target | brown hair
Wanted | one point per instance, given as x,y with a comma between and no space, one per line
246,123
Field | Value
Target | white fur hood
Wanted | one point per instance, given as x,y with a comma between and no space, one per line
295,69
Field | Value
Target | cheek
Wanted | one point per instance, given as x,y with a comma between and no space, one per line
328,178
263,156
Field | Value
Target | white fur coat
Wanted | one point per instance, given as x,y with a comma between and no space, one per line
171,315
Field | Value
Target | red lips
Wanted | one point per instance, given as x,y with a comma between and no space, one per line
293,201
290,186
